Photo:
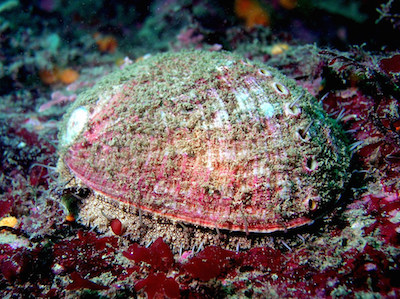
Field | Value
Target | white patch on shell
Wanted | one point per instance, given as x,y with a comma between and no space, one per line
210,160
76,123
221,117
267,110
163,118
253,86
258,170
104,100
224,67
245,102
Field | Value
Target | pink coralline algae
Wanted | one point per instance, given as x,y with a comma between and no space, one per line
57,98
205,139
375,128
385,208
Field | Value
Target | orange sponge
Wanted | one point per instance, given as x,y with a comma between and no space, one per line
106,43
48,76
252,12
9,221
288,4
67,76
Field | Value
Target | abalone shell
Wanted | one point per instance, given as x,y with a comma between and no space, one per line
207,139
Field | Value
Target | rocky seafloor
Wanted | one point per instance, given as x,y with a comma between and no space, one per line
51,51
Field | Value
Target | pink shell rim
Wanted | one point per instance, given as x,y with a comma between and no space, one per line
264,229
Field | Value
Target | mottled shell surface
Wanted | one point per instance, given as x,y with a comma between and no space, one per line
207,139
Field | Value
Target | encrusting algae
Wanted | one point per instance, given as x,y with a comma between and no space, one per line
192,145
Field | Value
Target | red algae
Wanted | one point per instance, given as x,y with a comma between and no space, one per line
158,255
12,262
263,258
384,208
88,254
210,263
80,283
6,203
372,267
391,65
158,286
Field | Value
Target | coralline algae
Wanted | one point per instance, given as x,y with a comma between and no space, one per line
202,140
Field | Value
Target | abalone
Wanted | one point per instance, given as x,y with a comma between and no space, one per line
208,139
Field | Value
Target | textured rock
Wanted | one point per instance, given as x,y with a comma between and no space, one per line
206,139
